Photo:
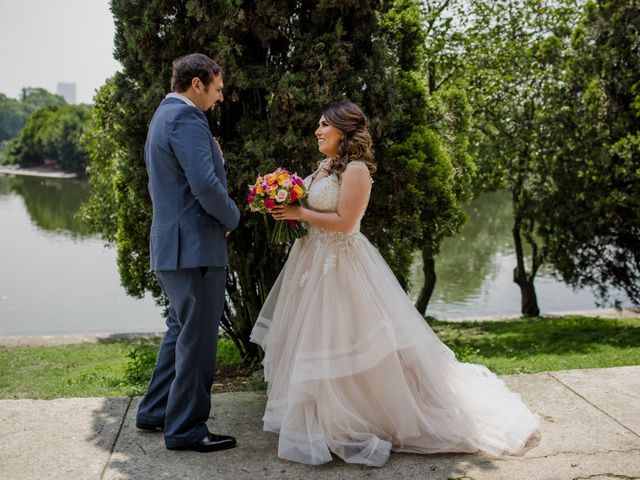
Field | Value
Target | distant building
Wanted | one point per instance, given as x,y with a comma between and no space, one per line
68,91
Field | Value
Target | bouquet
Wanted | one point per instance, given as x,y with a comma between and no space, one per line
279,187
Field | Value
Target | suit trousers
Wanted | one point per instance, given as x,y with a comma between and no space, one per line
179,395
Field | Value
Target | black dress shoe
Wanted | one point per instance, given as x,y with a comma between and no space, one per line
210,443
149,427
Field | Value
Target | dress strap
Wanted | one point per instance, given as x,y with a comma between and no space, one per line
318,170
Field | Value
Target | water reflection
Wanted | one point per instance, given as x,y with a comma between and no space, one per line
51,203
467,260
55,278
474,269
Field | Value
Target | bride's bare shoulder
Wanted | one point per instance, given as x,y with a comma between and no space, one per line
358,168
357,163
356,176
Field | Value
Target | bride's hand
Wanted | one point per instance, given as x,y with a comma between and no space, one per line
287,212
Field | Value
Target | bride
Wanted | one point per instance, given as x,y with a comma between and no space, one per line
352,367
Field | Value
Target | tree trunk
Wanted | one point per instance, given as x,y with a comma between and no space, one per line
429,269
524,279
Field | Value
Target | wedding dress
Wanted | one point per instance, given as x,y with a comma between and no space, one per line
353,369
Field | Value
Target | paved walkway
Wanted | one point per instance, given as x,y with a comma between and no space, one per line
590,430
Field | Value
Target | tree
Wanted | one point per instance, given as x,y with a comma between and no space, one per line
70,123
14,113
99,212
592,221
444,165
35,98
12,117
284,61
515,59
447,181
52,132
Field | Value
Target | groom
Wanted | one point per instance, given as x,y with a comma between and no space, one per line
192,215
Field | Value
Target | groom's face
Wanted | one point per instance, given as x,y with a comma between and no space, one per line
211,94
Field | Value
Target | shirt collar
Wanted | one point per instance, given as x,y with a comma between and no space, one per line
180,97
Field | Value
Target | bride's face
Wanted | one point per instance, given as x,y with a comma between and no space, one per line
328,138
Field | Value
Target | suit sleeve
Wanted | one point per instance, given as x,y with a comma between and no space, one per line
190,140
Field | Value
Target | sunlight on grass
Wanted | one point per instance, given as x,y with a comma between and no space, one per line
544,344
123,367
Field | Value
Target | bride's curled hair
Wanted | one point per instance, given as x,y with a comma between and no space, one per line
356,144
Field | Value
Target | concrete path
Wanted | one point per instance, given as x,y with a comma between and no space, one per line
590,430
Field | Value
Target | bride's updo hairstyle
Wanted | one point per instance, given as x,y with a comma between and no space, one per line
356,144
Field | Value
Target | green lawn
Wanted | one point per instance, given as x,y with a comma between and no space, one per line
108,368
123,367
544,344
83,370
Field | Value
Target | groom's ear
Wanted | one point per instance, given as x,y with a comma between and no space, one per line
196,84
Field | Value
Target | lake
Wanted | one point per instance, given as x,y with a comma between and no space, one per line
475,269
57,279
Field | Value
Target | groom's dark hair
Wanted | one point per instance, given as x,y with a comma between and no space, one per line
191,66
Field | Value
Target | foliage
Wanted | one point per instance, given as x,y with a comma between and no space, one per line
443,28
515,57
592,225
104,155
51,133
35,98
141,361
284,62
14,113
12,117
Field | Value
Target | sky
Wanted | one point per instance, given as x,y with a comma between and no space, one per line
43,42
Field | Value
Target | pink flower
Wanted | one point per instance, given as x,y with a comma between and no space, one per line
298,181
293,195
281,196
250,198
269,203
253,191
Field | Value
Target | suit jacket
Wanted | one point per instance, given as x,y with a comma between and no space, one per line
188,187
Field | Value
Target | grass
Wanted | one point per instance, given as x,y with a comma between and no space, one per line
83,370
544,344
106,368
123,367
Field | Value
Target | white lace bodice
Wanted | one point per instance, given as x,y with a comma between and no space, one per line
323,197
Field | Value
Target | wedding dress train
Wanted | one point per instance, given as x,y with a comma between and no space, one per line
353,369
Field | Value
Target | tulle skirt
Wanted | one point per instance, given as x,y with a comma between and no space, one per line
353,369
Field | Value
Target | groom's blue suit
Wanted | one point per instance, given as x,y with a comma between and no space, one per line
191,212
